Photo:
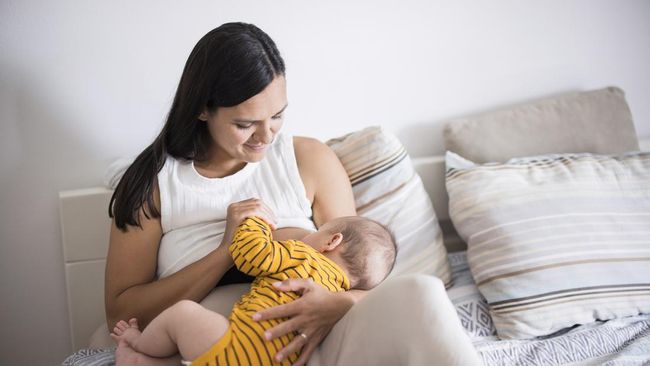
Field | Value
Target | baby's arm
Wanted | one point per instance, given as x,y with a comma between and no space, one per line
255,252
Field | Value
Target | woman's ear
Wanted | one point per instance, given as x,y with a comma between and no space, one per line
203,116
334,241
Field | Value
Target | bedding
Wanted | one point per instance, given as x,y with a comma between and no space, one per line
471,306
623,341
555,240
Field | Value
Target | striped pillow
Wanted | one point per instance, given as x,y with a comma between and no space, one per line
387,189
555,241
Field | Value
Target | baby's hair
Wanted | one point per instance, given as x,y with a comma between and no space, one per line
369,250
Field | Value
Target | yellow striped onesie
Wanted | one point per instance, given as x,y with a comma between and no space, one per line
256,253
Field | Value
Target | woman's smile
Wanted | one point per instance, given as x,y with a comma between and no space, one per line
256,147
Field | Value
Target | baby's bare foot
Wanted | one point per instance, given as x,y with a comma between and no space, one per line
125,355
128,332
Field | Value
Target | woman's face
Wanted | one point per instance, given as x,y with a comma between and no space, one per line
244,132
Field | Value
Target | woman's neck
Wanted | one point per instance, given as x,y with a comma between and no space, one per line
216,167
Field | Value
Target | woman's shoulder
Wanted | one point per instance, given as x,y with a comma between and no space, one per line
312,154
313,157
309,147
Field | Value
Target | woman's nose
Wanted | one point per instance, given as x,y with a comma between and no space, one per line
264,134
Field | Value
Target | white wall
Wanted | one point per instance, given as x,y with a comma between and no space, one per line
84,82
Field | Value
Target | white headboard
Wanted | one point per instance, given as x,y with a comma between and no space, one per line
85,229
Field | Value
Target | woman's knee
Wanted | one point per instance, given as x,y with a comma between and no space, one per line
417,285
417,295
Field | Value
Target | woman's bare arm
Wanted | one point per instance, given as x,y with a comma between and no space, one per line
326,182
131,288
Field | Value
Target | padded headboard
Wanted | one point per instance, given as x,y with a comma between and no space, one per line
85,228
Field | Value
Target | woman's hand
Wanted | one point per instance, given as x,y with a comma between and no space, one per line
314,314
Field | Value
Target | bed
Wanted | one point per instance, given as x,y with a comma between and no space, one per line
597,122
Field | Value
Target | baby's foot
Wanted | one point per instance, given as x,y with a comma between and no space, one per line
128,332
125,355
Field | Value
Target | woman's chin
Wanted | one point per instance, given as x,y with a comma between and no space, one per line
254,155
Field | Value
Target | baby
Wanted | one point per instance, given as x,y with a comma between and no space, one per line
348,252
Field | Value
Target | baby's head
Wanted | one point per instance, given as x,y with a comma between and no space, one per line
364,248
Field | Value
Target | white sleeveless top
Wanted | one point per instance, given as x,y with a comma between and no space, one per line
193,207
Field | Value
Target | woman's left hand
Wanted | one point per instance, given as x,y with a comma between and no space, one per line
313,315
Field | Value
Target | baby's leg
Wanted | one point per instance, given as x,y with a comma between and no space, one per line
187,327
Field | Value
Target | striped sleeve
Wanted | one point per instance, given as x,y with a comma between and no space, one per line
256,253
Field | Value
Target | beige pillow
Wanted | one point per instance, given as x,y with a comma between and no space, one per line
387,189
596,121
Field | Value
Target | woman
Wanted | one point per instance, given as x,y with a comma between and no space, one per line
221,144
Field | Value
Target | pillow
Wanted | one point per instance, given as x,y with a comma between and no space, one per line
555,241
597,121
387,189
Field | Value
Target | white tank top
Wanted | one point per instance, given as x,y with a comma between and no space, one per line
193,207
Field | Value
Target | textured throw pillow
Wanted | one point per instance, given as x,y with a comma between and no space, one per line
556,240
387,189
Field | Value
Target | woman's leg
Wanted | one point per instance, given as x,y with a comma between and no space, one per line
407,320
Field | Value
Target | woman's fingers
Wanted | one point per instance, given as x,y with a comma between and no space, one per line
306,352
286,327
299,285
294,346
279,311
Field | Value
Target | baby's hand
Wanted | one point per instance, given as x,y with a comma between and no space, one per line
240,211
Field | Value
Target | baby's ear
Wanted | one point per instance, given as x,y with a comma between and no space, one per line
334,241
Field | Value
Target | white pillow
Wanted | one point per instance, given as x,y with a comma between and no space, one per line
557,240
387,189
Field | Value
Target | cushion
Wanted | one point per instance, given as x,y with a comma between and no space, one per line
387,189
555,240
596,121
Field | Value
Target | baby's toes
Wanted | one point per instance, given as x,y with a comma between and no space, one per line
121,326
117,331
133,322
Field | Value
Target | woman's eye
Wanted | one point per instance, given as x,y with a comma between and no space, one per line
244,126
277,117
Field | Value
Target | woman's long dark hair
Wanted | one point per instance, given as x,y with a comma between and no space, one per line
229,65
